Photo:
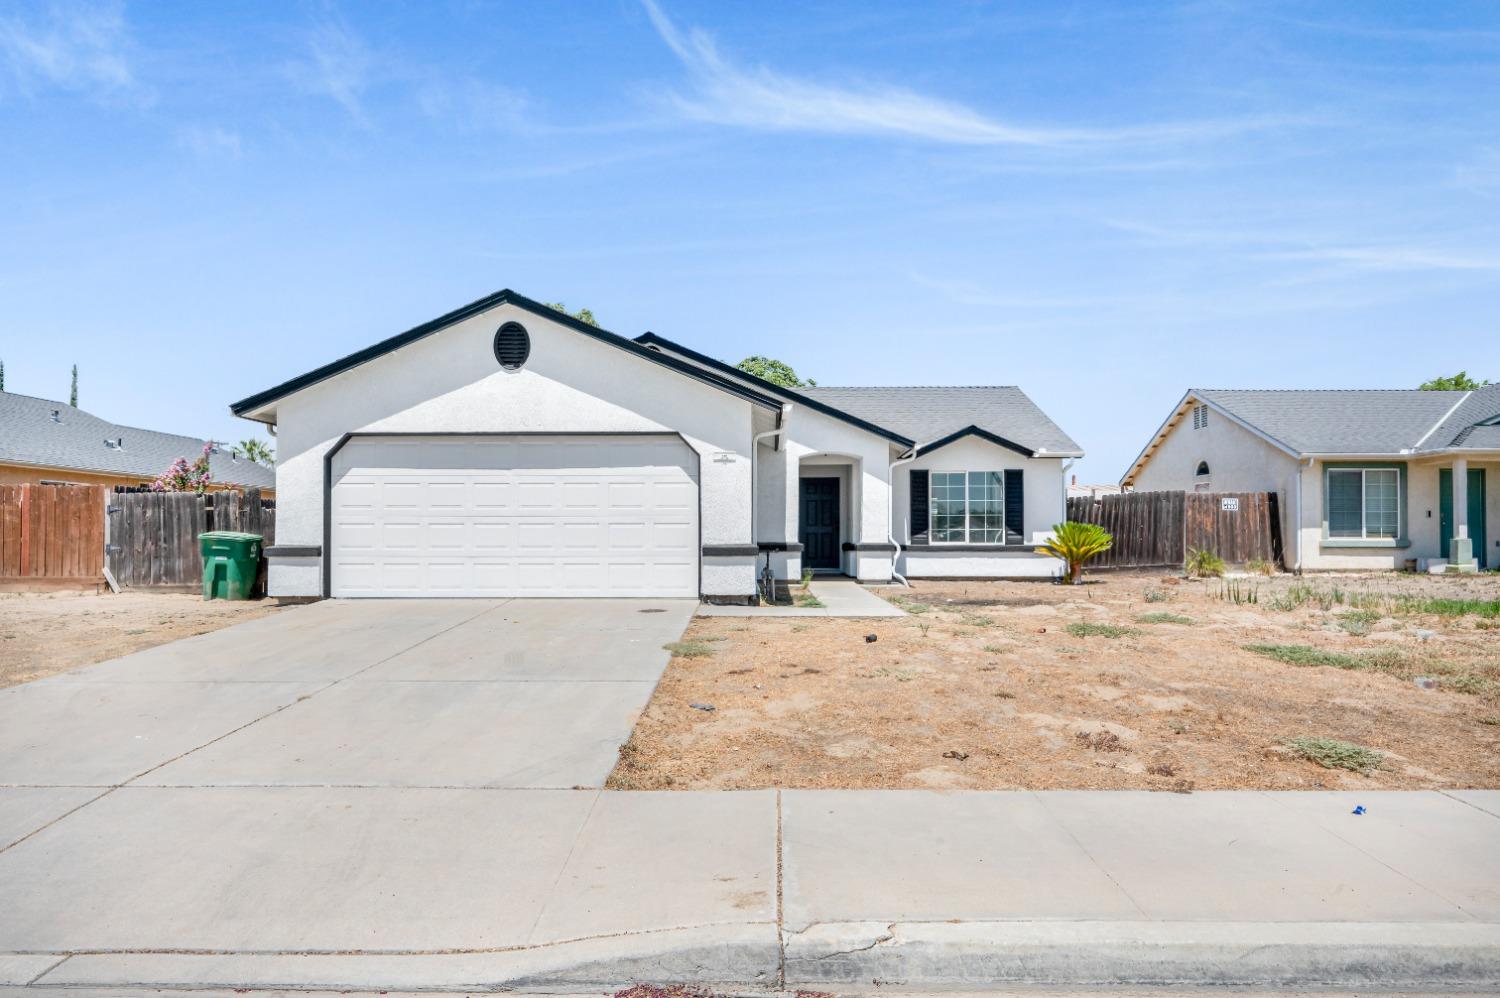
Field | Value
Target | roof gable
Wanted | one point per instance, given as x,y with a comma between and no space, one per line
251,404
1313,421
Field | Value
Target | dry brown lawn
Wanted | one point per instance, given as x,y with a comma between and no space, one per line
42,634
986,688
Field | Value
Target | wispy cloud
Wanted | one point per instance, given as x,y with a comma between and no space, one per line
210,141
473,105
728,94
81,48
1395,258
337,64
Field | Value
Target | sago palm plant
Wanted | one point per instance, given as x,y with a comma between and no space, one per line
1075,543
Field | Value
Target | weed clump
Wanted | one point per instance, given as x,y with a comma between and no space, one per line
1330,753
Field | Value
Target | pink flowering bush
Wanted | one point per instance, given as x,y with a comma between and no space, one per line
185,477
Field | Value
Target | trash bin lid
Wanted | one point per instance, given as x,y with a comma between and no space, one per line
229,535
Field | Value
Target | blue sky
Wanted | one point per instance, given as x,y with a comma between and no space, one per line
1103,203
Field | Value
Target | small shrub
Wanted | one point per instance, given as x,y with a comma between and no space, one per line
1330,753
1455,607
1178,726
1160,617
1075,543
1259,566
810,602
806,577
993,649
1162,769
1493,720
1307,655
689,649
1156,595
977,620
1358,622
1202,564
1102,741
1084,629
1469,682
1236,592
899,675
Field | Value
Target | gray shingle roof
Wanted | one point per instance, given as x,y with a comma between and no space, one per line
28,435
1458,429
1322,421
1479,438
926,414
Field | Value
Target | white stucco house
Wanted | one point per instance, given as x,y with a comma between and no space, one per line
1367,479
507,449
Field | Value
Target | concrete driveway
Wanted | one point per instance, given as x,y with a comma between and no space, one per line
389,693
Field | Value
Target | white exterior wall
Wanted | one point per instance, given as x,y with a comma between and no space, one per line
1238,461
1045,491
817,445
449,382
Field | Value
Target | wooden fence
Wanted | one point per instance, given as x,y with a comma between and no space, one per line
1157,529
51,536
153,536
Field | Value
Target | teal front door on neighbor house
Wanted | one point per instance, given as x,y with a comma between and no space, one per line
1476,513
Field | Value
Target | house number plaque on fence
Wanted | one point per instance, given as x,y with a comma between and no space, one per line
1229,504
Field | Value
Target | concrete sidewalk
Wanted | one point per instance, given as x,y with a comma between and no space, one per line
840,598
403,888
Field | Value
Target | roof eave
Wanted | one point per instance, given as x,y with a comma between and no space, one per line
249,406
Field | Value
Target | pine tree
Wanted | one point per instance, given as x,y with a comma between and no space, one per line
73,396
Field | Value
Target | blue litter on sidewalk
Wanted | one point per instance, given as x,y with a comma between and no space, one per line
1359,809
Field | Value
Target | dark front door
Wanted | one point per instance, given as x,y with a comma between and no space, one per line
819,530
1477,531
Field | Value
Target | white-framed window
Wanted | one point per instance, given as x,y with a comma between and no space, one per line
1364,503
967,507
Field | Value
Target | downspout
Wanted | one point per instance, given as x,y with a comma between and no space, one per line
1297,526
1065,469
782,418
891,534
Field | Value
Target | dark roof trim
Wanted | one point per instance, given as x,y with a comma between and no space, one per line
975,431
472,309
800,399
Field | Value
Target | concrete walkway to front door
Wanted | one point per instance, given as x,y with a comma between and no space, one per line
840,598
381,797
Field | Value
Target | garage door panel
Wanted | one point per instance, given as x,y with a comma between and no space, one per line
495,516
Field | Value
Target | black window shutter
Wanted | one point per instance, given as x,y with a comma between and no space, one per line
918,507
1015,508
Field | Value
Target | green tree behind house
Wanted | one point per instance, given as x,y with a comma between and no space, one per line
582,315
1460,382
777,372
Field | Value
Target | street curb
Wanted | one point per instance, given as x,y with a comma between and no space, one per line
980,954
733,955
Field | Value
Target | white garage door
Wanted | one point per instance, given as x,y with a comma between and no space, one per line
514,516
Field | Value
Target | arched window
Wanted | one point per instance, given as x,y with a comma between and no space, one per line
1202,471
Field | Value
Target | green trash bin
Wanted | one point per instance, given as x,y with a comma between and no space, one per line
231,562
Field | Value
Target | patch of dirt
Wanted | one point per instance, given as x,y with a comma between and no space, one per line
42,634
988,690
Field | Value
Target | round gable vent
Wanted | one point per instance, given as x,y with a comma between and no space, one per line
512,346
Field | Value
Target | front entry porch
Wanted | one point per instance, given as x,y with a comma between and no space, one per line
1463,534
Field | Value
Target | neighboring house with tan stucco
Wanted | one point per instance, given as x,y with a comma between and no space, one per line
1367,479
43,442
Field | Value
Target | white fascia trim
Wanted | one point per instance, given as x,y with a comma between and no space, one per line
1440,422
